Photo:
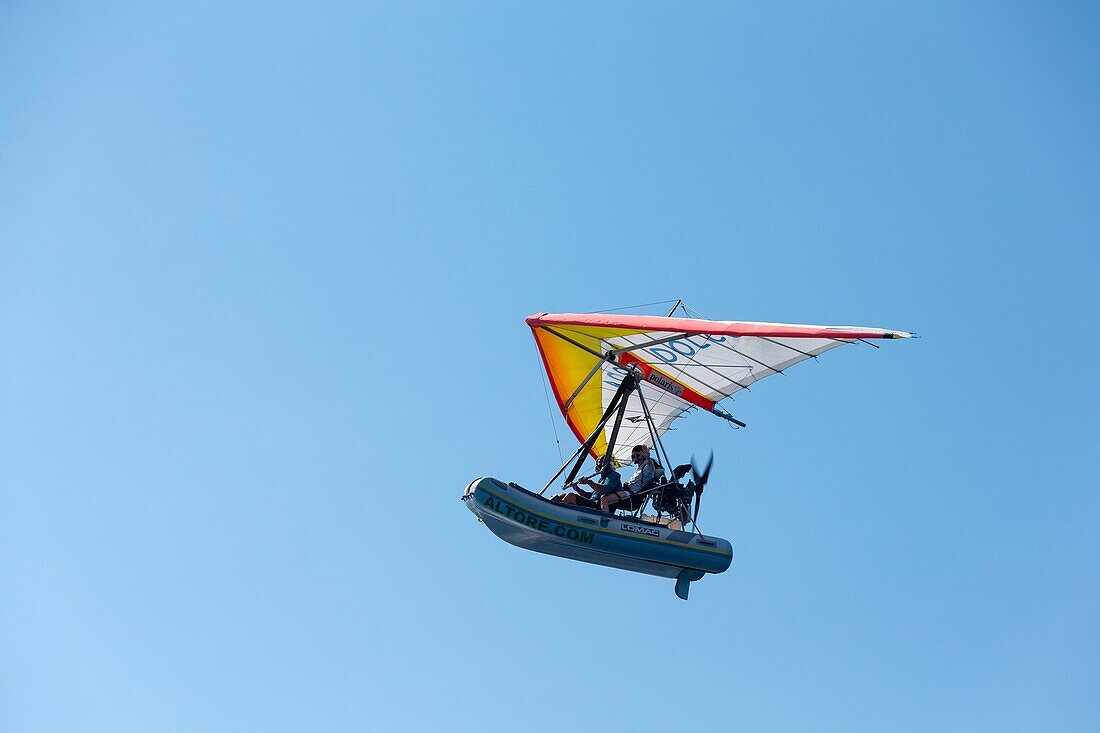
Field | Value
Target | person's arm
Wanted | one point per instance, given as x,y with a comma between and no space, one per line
585,492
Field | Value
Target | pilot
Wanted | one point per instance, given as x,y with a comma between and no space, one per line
610,482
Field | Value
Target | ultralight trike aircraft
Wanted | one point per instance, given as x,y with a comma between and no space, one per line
621,381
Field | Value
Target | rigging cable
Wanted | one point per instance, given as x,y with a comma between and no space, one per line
549,407
632,307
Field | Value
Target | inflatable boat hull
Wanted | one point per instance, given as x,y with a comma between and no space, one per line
527,520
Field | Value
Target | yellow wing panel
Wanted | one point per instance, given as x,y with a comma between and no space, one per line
567,365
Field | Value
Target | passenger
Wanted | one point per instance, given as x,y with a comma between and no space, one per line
644,476
610,482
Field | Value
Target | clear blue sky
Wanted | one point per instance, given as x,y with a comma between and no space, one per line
263,275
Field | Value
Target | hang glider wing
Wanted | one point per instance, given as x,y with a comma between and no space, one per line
683,363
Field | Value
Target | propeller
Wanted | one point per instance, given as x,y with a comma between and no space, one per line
700,481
